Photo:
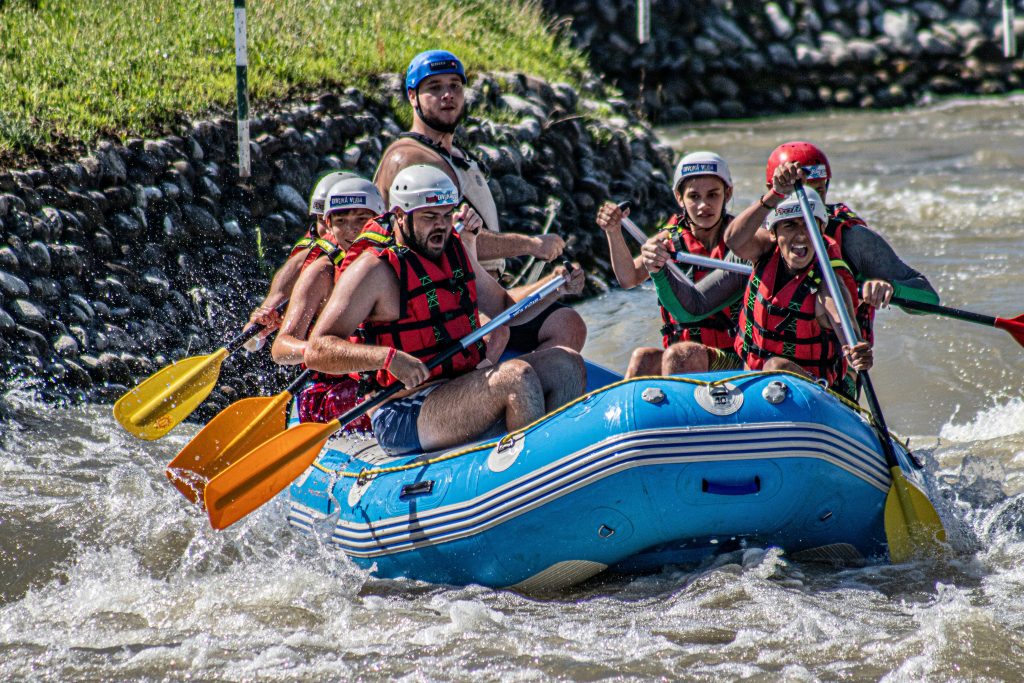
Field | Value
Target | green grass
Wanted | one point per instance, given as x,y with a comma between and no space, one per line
74,71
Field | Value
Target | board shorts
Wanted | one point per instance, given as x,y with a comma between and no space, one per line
526,337
327,399
394,423
722,359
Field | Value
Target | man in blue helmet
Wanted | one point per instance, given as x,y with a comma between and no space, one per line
434,86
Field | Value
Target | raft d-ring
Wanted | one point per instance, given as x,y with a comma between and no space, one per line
505,452
719,398
360,486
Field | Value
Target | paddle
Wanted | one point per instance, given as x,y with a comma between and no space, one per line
261,473
167,397
636,233
236,430
1015,326
912,526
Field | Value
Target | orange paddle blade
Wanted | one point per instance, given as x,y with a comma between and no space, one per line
1015,326
261,474
235,431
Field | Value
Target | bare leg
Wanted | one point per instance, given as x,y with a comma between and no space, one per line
685,356
645,361
562,373
466,407
564,327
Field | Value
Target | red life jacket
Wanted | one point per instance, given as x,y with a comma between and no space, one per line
378,232
438,307
779,320
717,330
841,217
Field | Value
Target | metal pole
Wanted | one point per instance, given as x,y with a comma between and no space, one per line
242,90
1009,37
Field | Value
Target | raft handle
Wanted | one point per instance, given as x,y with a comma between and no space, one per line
730,489
420,488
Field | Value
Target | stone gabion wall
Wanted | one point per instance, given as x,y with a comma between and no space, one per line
737,58
117,263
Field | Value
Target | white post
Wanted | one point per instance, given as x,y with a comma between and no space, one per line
242,89
1009,37
643,21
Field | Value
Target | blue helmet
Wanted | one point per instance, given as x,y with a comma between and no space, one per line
430,63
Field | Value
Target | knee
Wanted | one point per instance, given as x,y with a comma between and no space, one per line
684,357
565,328
515,375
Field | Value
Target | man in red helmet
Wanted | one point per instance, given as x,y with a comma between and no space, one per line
879,271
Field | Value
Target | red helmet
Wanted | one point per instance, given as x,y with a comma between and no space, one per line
807,155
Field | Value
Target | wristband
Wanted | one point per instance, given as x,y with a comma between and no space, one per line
390,357
760,200
776,192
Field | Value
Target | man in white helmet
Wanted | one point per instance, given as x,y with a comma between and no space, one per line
702,185
411,300
316,240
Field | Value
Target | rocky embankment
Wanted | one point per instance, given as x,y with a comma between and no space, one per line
735,58
120,262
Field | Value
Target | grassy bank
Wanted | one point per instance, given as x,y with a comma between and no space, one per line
72,71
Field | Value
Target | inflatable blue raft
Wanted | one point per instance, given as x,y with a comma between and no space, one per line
632,476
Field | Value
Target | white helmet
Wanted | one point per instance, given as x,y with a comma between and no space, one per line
790,208
701,163
316,200
353,193
418,186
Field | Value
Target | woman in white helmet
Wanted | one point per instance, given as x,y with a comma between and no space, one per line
399,305
284,279
703,186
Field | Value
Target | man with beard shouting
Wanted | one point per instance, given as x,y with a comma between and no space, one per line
401,303
434,86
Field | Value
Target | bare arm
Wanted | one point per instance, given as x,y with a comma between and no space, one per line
308,296
280,288
494,245
364,290
744,235
400,155
629,271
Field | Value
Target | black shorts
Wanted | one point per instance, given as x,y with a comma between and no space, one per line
523,338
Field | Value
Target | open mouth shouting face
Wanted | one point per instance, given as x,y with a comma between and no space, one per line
431,228
794,244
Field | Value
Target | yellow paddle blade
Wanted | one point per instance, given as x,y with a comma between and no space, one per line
235,431
261,474
912,526
153,408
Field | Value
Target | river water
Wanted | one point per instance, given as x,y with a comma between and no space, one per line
105,573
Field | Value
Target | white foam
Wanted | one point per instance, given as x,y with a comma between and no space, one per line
999,421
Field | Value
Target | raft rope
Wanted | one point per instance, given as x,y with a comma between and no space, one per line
364,475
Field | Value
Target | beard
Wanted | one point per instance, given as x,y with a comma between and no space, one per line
437,124
422,248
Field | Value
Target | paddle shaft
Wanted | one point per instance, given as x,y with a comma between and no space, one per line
459,346
848,331
553,206
636,233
